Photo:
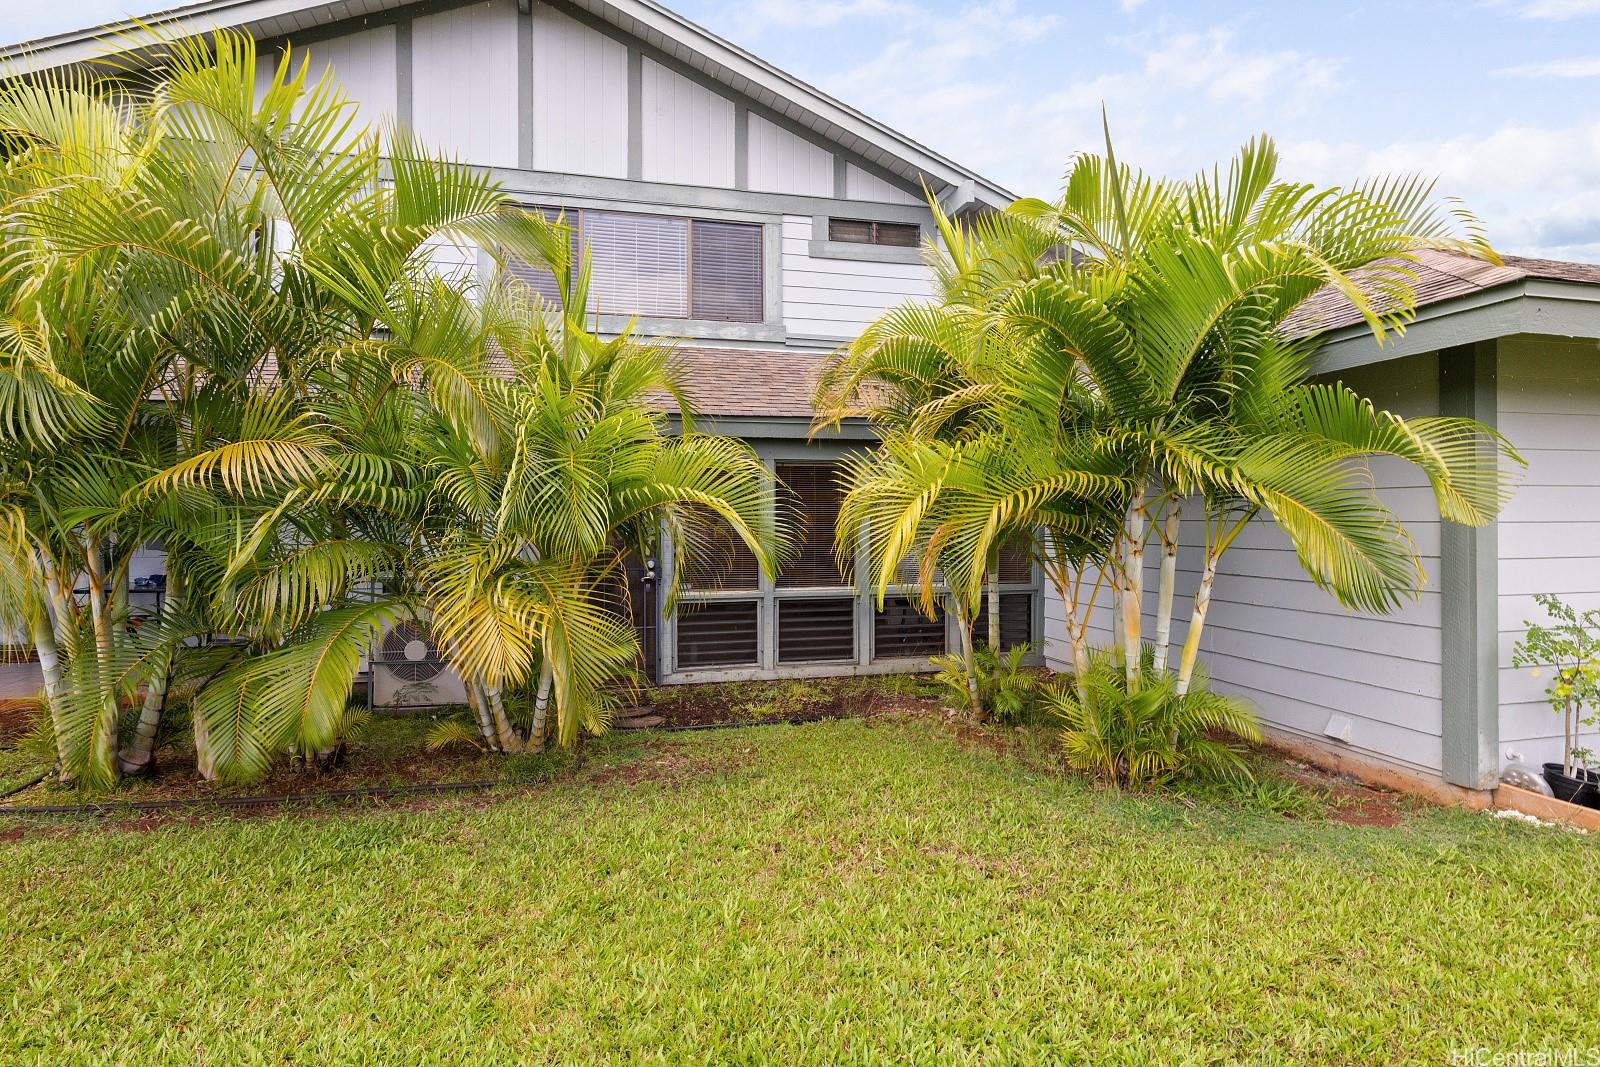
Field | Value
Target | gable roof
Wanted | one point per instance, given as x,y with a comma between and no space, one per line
717,58
1440,276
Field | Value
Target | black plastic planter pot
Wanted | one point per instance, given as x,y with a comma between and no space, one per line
1579,790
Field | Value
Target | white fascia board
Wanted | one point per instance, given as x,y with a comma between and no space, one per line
1529,306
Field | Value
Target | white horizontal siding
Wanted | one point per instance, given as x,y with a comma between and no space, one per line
687,134
783,162
1275,639
835,299
580,98
1549,407
464,82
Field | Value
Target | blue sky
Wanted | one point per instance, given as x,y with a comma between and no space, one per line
1499,99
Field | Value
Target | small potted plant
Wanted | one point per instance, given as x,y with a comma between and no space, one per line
1570,646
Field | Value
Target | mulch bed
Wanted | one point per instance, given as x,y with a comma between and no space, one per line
741,703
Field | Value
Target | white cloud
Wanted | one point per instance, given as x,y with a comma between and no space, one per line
1130,6
1582,67
1558,10
761,15
1537,189
959,84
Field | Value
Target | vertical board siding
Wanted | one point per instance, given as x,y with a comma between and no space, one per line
363,64
580,98
835,299
783,162
464,82
688,130
1275,639
862,185
1549,408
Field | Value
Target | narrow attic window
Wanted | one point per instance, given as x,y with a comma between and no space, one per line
862,232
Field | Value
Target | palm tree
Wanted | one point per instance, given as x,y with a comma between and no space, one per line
1113,355
256,362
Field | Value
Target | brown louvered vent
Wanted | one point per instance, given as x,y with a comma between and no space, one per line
726,283
811,494
717,634
865,232
1016,620
816,630
900,630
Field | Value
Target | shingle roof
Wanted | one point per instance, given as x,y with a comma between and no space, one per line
1440,276
751,383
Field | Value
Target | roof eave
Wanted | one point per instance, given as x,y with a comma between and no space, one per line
82,46
1525,306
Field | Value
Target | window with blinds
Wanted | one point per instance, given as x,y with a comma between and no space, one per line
715,557
537,276
726,283
811,495
866,232
662,266
640,264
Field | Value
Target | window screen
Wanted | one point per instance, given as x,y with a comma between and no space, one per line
900,630
726,263
1016,564
864,232
811,494
536,276
641,263
816,631
716,558
717,634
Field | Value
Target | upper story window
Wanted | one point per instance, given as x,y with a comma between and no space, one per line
664,266
863,232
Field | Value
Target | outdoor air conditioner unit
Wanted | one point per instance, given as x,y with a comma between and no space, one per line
408,671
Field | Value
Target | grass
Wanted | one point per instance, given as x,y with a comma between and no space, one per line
843,892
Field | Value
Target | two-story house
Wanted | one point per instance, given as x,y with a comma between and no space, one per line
724,201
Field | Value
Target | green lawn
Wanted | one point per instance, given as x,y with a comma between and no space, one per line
833,893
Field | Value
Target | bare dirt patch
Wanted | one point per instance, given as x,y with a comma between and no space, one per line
1349,800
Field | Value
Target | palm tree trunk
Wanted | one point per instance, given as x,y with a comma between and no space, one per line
44,643
480,707
1133,592
994,602
205,761
509,741
139,756
541,707
969,660
1197,622
1169,581
102,747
